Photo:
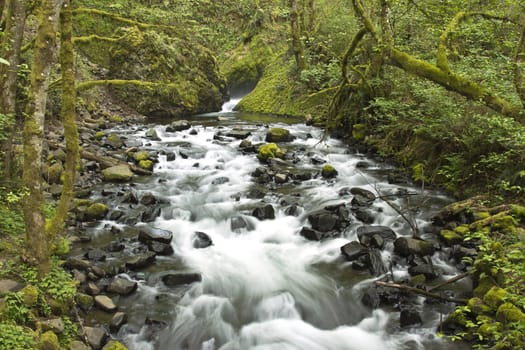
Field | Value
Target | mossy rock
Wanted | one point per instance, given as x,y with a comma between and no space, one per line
96,211
328,171
488,328
495,297
358,132
484,285
114,345
278,135
146,164
119,173
84,301
49,341
141,155
477,306
114,141
30,295
450,237
462,230
505,224
269,151
54,172
61,247
518,212
82,202
508,312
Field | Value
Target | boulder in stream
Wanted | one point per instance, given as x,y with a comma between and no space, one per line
147,234
121,286
201,240
174,279
405,246
266,212
118,173
178,125
278,135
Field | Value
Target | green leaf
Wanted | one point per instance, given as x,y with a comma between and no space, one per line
3,61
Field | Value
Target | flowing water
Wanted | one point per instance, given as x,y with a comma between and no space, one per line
264,286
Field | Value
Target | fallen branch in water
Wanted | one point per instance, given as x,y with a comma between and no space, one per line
421,292
449,281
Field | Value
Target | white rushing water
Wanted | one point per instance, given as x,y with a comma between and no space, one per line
265,286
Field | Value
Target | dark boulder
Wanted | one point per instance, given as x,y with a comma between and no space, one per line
175,279
366,233
311,234
201,240
178,125
409,317
426,270
150,214
323,220
238,134
121,286
140,260
354,250
148,198
264,213
406,246
147,234
160,248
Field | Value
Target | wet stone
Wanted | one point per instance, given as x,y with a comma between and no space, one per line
141,260
160,248
264,213
96,254
122,286
353,250
365,233
201,240
96,337
105,303
181,278
147,234
117,321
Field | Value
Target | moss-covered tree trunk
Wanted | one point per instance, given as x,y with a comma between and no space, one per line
15,14
68,119
519,70
37,245
297,45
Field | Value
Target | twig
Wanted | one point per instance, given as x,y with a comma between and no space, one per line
421,291
449,281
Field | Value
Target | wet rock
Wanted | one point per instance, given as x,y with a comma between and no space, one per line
301,175
141,260
119,173
365,234
366,194
178,125
328,172
238,134
280,178
105,303
278,135
77,263
150,214
311,234
78,345
238,223
201,240
160,248
220,180
148,199
96,337
117,321
292,210
113,141
115,215
264,213
96,254
409,317
269,151
405,246
255,193
152,135
323,220
93,289
353,250
426,270
147,234
122,286
170,156
96,211
180,278
364,215
130,197
374,262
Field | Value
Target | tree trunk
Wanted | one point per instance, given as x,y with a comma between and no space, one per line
37,245
15,13
519,70
297,46
68,120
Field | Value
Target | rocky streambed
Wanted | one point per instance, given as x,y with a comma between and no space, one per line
228,234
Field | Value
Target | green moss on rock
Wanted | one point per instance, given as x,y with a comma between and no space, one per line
328,171
97,211
358,131
450,237
477,306
508,312
278,135
495,297
54,172
49,341
117,173
141,155
30,295
269,151
146,164
114,345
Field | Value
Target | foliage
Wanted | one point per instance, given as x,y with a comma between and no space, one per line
15,337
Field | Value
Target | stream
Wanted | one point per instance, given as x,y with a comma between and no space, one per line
258,282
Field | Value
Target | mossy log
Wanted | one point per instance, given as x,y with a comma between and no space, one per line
421,292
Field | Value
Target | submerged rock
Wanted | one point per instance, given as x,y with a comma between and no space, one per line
264,213
181,278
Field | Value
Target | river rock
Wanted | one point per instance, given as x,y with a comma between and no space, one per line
96,254
122,286
181,278
374,262
147,234
141,260
278,135
152,135
311,234
160,248
237,223
238,134
75,262
405,246
105,303
424,269
8,286
113,141
178,125
150,214
117,173
56,325
264,213
220,180
118,320
364,215
409,316
323,220
328,172
96,337
366,194
201,240
78,345
353,250
366,234
148,198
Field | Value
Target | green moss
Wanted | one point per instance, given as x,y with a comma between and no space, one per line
277,135
484,285
508,312
54,173
82,202
116,119
146,164
462,230
99,135
505,224
49,341
328,171
480,215
30,295
450,237
269,151
142,155
61,248
495,297
518,212
477,306
358,131
114,345
97,211
84,301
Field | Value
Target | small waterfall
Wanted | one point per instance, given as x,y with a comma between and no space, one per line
228,106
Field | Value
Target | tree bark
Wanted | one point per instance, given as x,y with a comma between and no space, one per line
37,245
68,120
519,70
15,13
297,46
